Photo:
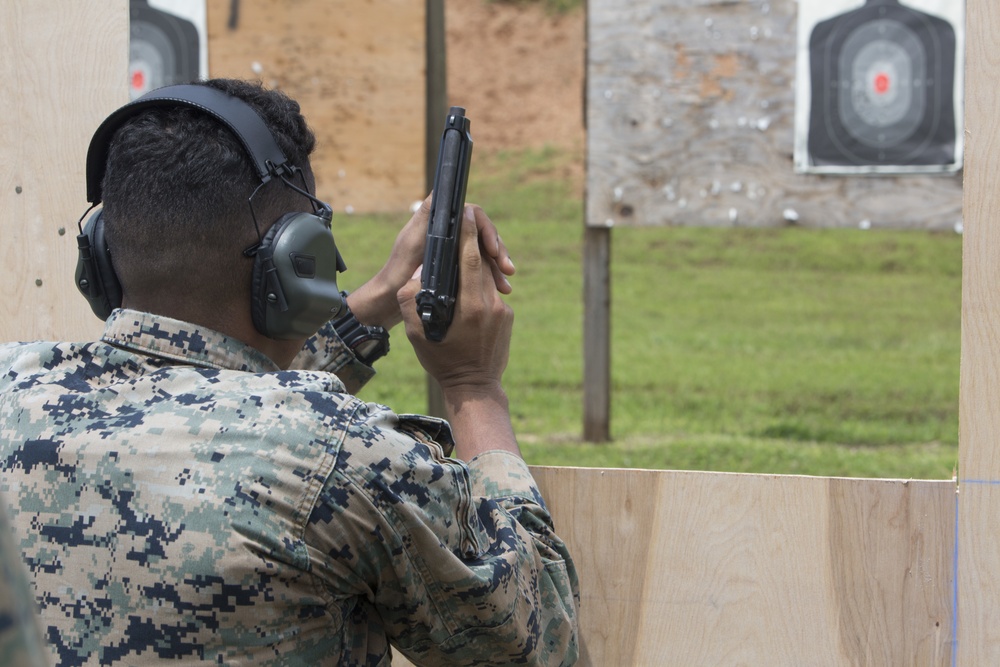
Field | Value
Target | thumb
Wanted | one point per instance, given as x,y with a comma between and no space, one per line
408,292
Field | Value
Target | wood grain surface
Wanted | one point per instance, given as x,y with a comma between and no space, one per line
978,544
64,67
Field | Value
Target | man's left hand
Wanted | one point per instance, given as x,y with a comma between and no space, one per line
375,303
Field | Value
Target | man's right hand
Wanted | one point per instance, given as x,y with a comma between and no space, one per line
469,363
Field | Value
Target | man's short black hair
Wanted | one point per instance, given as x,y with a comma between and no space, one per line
176,193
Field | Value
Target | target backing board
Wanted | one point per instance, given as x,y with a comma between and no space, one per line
879,86
167,43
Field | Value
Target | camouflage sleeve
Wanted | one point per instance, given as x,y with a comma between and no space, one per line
20,639
460,562
505,477
324,351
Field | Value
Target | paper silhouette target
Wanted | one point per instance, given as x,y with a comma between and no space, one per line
882,91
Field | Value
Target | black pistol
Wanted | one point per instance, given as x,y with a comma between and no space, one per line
439,277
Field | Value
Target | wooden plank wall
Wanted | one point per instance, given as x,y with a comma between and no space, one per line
978,543
690,116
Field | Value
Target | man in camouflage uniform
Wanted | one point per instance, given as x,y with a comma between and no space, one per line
188,489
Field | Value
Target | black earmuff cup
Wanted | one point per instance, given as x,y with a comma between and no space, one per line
95,274
294,279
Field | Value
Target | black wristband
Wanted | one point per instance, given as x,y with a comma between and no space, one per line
369,343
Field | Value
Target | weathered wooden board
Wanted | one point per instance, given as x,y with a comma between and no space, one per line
64,67
979,419
690,116
694,568
357,69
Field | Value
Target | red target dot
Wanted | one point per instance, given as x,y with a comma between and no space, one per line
881,83
138,79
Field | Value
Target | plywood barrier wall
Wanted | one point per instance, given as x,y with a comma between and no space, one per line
676,568
63,68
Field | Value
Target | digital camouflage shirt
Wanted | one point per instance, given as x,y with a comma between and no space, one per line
176,496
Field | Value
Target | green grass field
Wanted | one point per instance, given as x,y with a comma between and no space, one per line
820,352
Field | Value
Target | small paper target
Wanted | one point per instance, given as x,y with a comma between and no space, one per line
163,49
882,81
